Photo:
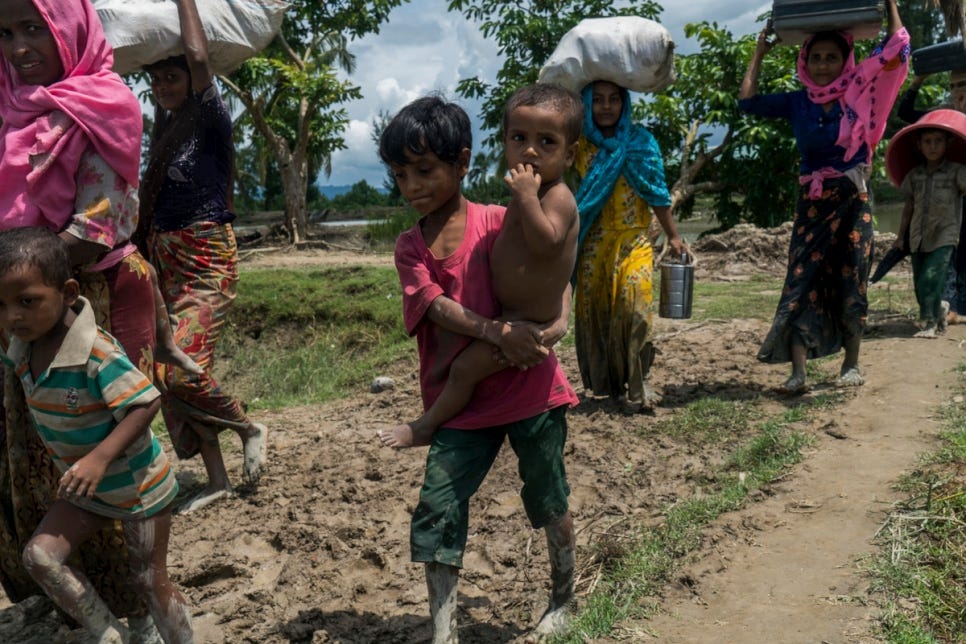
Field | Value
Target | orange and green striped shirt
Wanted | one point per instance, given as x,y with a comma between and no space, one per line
85,392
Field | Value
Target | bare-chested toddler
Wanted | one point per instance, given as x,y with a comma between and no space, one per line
533,256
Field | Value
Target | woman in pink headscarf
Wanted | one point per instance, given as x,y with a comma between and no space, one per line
69,160
838,119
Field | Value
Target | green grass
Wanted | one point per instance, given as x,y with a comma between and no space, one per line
707,420
301,336
754,298
921,567
382,234
632,568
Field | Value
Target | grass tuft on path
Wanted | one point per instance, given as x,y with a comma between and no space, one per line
921,567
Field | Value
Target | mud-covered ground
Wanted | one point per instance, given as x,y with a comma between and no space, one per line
319,552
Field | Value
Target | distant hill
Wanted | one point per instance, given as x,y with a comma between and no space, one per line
334,191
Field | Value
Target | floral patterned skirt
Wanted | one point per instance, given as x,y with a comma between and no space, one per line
614,311
198,270
824,300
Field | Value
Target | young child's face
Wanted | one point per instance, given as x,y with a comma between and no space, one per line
606,105
933,145
27,43
29,307
536,136
428,183
169,86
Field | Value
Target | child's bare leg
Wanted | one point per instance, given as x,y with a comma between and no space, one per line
470,367
560,547
796,383
147,544
441,583
167,350
219,486
62,530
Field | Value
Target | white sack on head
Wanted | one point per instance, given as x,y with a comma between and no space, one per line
628,51
146,31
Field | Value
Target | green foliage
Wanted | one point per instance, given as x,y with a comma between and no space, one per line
382,234
526,33
294,119
752,162
361,195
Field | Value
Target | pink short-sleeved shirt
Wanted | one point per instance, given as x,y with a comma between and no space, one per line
505,397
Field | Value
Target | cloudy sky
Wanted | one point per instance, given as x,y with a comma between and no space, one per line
423,48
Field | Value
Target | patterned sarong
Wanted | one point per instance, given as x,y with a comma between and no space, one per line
198,270
824,300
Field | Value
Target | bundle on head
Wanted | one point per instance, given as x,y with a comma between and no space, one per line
954,13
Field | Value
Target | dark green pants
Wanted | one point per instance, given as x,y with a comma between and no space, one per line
456,465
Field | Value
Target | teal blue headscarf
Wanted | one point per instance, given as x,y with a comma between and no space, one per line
632,151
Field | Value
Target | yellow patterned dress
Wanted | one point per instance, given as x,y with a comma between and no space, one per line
614,305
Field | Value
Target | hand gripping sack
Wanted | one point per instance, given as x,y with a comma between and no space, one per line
628,51
146,31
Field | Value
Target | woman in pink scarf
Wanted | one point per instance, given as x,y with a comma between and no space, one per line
838,119
69,159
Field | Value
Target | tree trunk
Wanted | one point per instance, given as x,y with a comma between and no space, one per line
295,185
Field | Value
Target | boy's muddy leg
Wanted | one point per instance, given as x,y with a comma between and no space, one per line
63,529
560,545
147,544
143,631
441,581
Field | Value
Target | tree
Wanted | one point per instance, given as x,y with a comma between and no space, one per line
360,195
750,165
291,93
527,32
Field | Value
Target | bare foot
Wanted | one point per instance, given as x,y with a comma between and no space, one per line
256,446
794,386
850,377
400,436
554,622
203,499
174,356
929,332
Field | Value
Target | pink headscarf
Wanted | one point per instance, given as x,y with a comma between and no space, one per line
46,130
865,91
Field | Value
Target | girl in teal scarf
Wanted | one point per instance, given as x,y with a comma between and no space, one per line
622,185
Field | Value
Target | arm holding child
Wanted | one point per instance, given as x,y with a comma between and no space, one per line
517,341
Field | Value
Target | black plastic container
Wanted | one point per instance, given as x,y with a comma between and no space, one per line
796,20
941,57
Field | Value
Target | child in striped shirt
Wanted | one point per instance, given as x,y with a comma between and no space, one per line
93,409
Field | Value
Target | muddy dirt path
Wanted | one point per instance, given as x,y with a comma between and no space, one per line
319,552
795,576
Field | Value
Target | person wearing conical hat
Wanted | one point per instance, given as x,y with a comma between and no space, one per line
954,293
932,214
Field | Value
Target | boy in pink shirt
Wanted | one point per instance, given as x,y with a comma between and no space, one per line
448,302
